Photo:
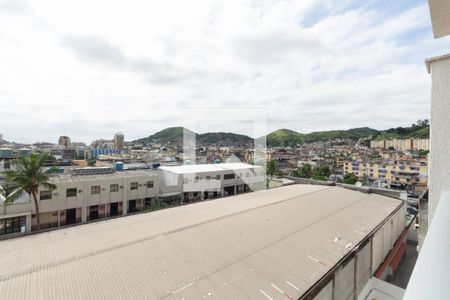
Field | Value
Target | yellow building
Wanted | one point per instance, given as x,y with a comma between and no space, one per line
399,173
402,144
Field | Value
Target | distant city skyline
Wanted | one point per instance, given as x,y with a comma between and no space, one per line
311,65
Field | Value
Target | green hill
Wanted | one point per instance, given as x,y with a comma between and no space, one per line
353,134
224,139
405,133
284,138
174,135
287,137
165,136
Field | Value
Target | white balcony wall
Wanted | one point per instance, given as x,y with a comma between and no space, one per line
439,157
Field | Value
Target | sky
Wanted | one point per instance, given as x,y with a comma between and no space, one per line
88,69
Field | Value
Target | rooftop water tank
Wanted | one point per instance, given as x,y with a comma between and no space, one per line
118,166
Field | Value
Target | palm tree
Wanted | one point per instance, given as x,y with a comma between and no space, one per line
7,195
26,176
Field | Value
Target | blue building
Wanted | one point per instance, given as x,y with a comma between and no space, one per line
103,151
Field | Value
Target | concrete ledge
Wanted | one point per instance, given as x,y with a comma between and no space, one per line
299,180
431,60
369,190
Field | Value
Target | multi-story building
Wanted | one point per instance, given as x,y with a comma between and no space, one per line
103,151
69,154
398,173
401,144
84,196
64,142
119,139
421,144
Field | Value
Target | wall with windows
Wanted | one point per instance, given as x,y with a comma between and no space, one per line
13,226
77,197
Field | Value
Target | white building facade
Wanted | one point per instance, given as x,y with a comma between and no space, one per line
91,194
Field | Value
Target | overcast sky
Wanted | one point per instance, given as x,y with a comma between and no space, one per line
88,69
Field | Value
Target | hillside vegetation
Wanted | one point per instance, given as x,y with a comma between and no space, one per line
286,137
420,130
174,135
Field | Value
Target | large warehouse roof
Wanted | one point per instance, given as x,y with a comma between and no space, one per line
261,245
186,169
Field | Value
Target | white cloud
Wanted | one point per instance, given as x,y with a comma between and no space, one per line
90,68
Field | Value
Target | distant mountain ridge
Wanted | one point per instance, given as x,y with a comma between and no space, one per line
286,137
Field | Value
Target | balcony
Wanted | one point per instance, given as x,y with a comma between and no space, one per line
431,274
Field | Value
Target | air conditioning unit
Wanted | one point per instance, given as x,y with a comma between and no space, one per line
55,194
103,189
140,184
121,187
80,191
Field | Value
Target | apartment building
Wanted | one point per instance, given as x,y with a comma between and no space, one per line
402,144
398,173
69,153
64,142
119,139
103,151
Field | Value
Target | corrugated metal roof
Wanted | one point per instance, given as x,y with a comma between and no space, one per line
184,169
60,178
259,245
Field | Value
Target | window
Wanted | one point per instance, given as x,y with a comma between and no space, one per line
12,225
45,195
95,190
133,186
71,192
149,184
113,188
228,176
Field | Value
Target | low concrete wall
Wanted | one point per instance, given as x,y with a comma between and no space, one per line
368,190
310,181
273,183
